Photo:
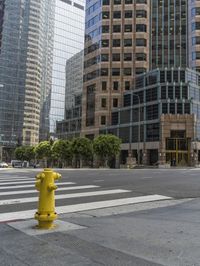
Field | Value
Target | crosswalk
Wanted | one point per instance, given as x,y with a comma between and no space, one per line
18,197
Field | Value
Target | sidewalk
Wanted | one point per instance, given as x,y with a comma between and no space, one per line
148,234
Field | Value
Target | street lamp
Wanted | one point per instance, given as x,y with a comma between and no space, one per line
131,121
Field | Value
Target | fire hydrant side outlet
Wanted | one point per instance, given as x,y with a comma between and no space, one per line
46,206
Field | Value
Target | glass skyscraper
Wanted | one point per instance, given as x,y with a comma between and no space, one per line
37,37
68,41
26,43
169,33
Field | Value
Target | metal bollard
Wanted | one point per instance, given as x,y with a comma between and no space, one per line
45,184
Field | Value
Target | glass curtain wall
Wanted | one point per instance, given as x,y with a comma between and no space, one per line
68,41
169,33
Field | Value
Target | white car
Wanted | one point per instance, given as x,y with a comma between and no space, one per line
3,165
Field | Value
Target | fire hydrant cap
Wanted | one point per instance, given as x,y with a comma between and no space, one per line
47,170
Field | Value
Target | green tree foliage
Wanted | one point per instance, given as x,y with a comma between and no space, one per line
25,153
43,151
106,147
62,150
82,149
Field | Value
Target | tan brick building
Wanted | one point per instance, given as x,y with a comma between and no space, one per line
116,49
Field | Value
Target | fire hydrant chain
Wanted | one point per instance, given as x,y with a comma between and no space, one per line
45,184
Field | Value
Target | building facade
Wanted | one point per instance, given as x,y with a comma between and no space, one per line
157,118
70,126
68,41
25,68
116,49
165,124
169,29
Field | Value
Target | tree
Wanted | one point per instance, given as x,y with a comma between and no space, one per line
106,147
43,151
25,153
62,151
82,149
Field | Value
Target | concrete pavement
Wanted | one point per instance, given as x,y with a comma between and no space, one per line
150,234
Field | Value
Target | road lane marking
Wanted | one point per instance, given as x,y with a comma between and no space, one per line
65,196
35,191
26,181
26,186
28,214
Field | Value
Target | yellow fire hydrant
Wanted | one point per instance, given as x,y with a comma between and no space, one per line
46,207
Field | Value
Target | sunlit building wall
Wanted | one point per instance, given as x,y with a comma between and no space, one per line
26,43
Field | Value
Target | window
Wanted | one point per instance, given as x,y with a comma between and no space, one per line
127,71
105,15
116,43
128,14
105,29
127,42
115,71
116,28
128,57
104,72
117,2
104,57
106,2
115,85
140,70
141,28
105,43
152,112
141,13
103,102
128,28
127,85
117,14
115,102
141,42
104,85
141,57
116,57
103,120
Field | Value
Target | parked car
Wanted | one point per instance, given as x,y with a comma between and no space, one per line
17,164
3,165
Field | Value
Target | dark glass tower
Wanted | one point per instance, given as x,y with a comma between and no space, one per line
169,33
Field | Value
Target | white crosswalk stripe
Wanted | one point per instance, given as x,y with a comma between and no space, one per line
33,185
35,191
21,200
69,196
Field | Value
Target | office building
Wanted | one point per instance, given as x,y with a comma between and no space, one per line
26,43
157,118
116,49
168,114
70,126
68,41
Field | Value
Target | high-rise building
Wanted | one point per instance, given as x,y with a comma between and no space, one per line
169,41
26,43
68,41
116,49
194,34
71,125
158,117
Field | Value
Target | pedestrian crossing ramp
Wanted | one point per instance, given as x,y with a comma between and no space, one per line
18,198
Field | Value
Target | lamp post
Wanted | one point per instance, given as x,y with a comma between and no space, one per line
131,132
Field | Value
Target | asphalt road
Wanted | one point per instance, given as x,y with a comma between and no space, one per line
176,183
156,233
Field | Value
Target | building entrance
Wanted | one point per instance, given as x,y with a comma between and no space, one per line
177,149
